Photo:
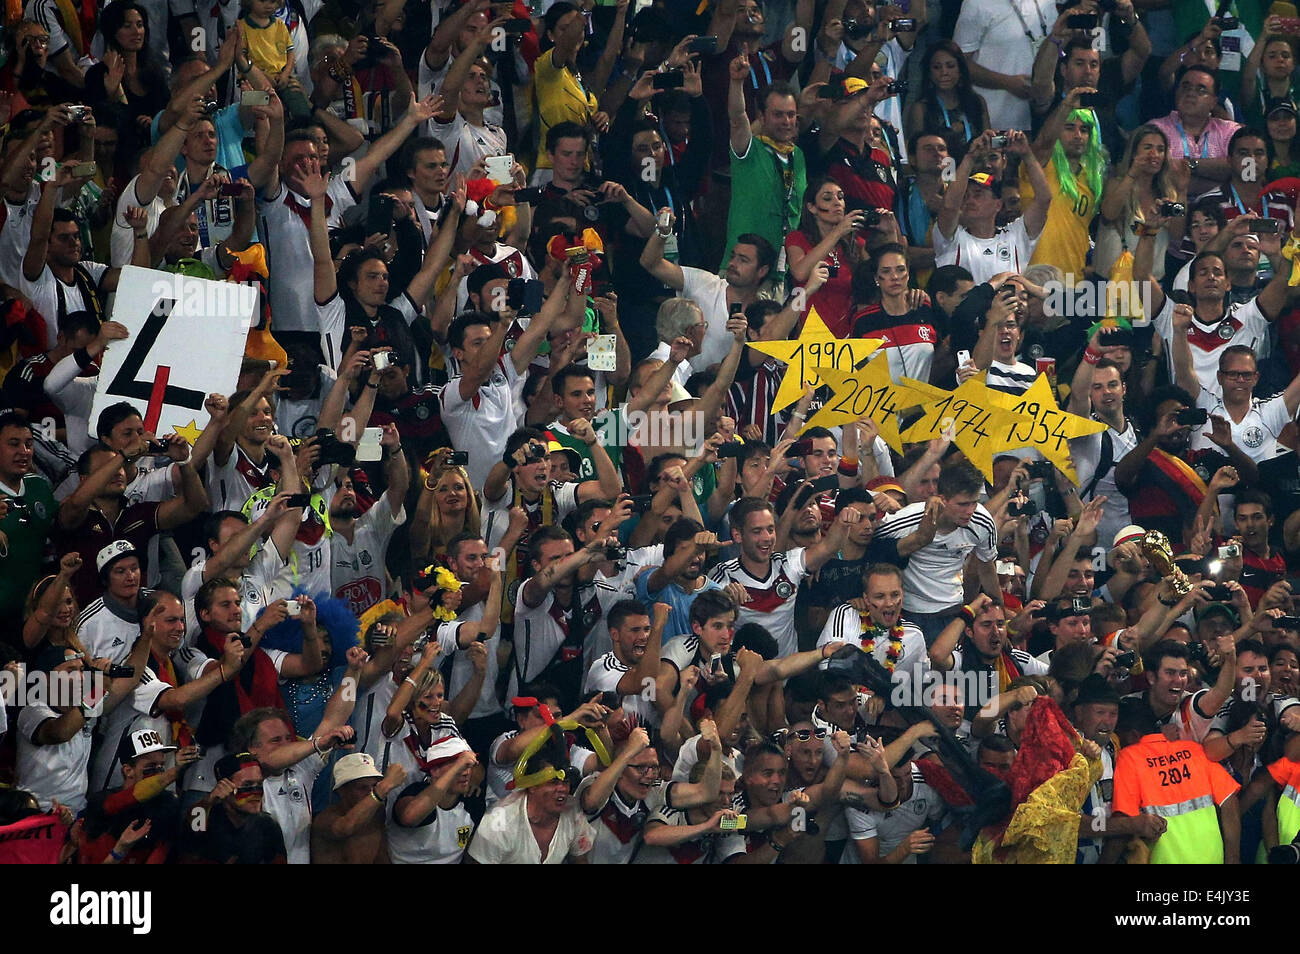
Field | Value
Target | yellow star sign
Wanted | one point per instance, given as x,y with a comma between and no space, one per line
976,418
864,392
190,432
1050,429
816,347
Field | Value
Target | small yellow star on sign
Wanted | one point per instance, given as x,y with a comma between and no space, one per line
865,392
1048,429
190,432
816,347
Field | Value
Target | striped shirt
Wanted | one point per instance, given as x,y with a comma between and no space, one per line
932,579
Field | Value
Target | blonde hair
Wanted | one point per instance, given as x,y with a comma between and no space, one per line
428,682
34,600
439,535
1161,188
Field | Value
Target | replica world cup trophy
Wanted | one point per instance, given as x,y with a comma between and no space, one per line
1156,546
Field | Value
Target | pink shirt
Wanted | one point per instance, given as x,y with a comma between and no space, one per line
1212,143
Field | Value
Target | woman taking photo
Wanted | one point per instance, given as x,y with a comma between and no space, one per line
1268,73
885,307
1142,182
827,234
448,506
948,102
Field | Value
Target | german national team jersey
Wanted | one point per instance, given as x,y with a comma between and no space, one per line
1243,324
771,597
845,624
357,568
711,849
620,824
890,828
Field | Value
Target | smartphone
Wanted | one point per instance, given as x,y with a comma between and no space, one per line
524,295
1266,226
298,500
715,665
963,357
1082,21
528,196
906,25
1116,337
801,448
254,97
731,449
732,824
233,189
499,168
1090,100
832,271
84,169
823,484
1192,416
669,79
641,502
897,88
1218,592
379,216
703,44
368,448
1287,622
518,27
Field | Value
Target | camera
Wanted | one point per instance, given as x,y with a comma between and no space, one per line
897,88
1266,227
999,142
1089,100
1171,210
1218,592
293,608
856,29
615,552
421,641
1192,417
246,640
1126,660
703,44
907,25
669,79
458,459
1026,509
381,359
524,295
731,449
1231,551
517,26
1082,21
871,217
1287,622
641,502
534,453
119,672
333,450
529,196
1040,470
832,271
1227,22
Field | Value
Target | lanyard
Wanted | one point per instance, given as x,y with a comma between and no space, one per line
767,73
668,197
948,123
1205,139
1241,206
1029,34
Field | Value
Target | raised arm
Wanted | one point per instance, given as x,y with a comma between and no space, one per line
652,256
738,119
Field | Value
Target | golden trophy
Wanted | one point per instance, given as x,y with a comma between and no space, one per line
1156,546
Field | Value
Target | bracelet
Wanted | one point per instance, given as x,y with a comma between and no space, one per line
376,797
370,385
1163,603
776,845
1090,356
222,669
967,613
797,416
112,853
411,681
316,745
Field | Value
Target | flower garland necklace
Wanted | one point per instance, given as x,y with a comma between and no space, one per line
868,640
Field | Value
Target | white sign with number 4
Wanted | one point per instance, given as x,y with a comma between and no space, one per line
186,341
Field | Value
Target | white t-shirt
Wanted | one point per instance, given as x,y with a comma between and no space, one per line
53,772
845,625
1244,324
932,579
1256,433
16,233
123,236
1086,454
298,418
357,571
709,291
539,634
993,34
440,838
505,837
288,253
1009,250
229,485
104,633
429,81
711,849
482,424
467,143
892,828
462,669
264,581
772,597
287,798
603,676
47,292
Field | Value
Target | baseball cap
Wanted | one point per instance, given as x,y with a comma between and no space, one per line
988,181
444,750
1220,609
352,767
885,485
142,742
229,765
1130,534
1279,104
111,553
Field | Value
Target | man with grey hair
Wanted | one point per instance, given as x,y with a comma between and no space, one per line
679,318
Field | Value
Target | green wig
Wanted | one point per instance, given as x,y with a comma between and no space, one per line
1092,164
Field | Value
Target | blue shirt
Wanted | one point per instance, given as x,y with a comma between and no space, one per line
679,620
